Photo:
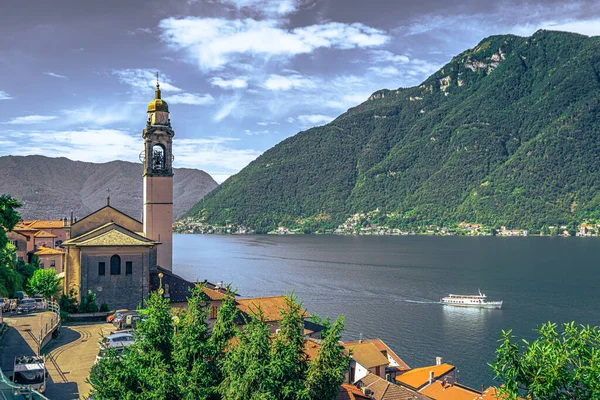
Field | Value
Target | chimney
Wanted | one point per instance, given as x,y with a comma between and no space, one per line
430,377
360,338
65,221
71,217
438,361
75,219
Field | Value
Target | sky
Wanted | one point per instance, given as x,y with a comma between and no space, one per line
240,76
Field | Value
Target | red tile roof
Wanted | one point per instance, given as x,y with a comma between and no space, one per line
417,377
381,346
350,392
270,306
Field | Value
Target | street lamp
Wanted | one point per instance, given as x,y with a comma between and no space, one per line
160,289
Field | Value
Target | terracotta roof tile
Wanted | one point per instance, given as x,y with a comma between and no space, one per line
44,234
350,392
440,391
311,349
366,354
384,390
381,346
45,224
418,377
114,238
271,307
214,294
46,251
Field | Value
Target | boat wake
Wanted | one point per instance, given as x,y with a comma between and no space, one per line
419,301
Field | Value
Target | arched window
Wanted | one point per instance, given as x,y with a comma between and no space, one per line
115,265
158,157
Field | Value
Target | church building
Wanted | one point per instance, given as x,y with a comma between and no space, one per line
113,254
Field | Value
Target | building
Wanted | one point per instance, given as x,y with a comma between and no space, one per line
375,357
50,258
379,389
28,236
111,253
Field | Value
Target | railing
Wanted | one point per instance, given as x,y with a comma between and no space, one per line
50,326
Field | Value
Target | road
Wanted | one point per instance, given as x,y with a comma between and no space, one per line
68,357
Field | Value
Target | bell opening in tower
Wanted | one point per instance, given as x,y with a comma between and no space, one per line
158,157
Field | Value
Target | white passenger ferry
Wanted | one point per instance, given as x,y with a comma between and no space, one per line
476,301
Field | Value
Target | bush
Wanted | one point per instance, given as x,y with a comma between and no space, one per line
88,303
68,303
104,307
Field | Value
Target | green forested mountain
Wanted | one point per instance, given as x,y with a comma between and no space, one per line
506,133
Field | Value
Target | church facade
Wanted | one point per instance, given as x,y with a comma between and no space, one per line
113,254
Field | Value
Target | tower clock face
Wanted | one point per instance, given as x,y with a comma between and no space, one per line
143,156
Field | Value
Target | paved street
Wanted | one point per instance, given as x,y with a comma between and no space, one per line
69,357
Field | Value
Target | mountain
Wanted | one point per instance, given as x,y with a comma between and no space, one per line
52,187
506,133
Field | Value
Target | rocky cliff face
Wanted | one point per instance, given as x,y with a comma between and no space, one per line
52,187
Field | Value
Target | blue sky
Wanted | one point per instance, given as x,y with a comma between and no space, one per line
239,75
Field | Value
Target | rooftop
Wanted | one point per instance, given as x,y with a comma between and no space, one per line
417,377
271,307
46,251
381,346
439,390
384,390
366,354
350,392
43,234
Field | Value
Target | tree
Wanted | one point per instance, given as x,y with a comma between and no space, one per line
245,369
10,279
326,372
288,360
556,365
44,282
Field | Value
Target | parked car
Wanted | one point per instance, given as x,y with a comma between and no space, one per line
4,304
104,351
111,317
116,340
40,303
26,306
129,320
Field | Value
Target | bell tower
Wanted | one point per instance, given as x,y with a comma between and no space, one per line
157,158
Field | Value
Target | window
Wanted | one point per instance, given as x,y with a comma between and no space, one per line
53,263
128,268
115,265
15,243
101,268
42,265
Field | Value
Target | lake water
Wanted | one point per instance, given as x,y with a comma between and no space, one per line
389,287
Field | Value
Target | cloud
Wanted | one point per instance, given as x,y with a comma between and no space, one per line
146,31
235,83
95,116
587,27
31,119
226,109
384,56
385,71
217,159
54,75
265,7
314,119
214,42
4,95
190,98
144,79
267,123
279,82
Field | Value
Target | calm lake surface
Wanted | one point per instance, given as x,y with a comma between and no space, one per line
389,287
